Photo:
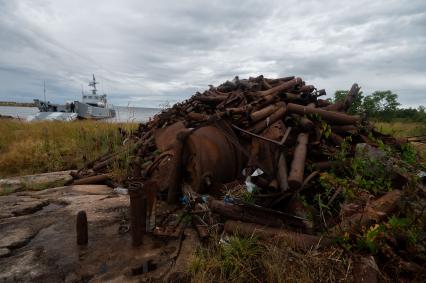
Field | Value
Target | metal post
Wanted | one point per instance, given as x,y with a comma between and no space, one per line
81,228
138,207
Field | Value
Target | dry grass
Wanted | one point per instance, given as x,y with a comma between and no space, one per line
405,129
401,129
37,147
249,260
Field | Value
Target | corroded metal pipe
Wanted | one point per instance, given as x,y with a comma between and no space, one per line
336,118
263,113
138,207
298,240
278,114
81,229
295,178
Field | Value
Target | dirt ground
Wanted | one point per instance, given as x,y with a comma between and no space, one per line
38,240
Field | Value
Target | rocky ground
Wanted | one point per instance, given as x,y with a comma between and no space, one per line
38,239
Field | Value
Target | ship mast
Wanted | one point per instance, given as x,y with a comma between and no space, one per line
93,84
44,90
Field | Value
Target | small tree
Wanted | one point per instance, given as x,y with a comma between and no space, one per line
381,104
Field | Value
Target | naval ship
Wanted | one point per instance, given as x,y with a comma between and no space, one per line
92,106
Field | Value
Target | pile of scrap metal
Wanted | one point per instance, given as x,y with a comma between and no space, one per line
240,155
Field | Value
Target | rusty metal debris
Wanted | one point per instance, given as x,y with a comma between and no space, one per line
243,151
81,229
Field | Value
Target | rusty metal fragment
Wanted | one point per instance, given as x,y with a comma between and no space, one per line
138,209
82,228
298,240
295,179
334,118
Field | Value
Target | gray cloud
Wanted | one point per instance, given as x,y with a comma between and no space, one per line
149,52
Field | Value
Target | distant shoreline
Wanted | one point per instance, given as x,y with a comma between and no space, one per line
18,104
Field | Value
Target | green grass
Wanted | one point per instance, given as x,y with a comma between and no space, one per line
47,146
401,129
405,129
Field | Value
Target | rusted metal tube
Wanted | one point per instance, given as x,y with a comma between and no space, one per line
282,172
138,210
98,179
304,123
329,116
263,113
281,87
295,178
298,240
210,98
278,114
81,229
197,116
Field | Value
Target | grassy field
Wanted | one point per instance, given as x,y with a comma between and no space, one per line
402,129
405,129
38,147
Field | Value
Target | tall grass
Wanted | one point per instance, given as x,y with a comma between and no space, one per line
402,129
405,129
45,146
243,259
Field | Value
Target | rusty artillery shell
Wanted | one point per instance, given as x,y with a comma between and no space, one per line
282,172
81,228
295,178
277,115
334,118
281,87
263,113
138,206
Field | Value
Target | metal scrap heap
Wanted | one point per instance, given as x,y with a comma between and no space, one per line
255,155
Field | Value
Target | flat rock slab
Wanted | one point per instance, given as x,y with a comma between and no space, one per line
4,252
15,238
34,182
40,244
13,205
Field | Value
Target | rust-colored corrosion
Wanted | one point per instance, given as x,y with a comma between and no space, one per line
138,211
210,156
335,118
295,179
82,229
298,240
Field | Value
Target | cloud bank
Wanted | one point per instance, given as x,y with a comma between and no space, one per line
146,53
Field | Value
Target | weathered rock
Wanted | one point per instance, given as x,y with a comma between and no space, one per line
29,207
4,252
34,182
16,237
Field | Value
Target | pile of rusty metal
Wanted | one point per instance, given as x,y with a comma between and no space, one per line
241,154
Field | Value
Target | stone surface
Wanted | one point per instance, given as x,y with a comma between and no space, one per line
40,245
35,182
4,252
15,237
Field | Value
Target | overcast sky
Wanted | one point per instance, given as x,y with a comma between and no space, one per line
145,53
